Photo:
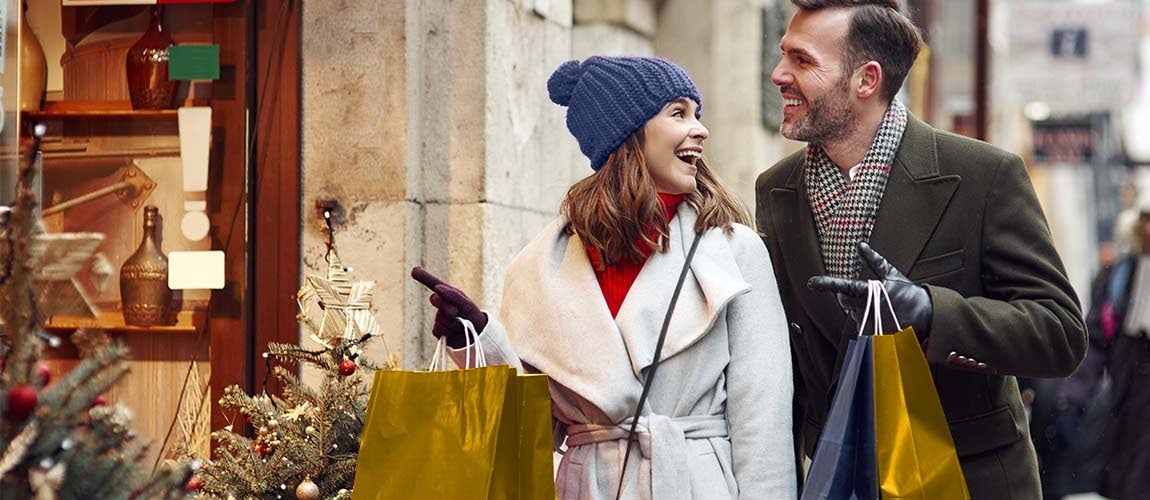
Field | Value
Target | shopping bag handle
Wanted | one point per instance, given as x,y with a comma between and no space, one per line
439,357
875,293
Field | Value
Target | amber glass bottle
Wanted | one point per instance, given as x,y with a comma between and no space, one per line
147,66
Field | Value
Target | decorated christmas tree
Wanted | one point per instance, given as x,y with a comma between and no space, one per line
60,439
306,439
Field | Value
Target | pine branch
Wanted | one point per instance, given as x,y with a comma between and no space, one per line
61,403
93,376
340,474
19,313
297,354
159,485
296,390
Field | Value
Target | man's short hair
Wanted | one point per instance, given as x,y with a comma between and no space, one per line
879,31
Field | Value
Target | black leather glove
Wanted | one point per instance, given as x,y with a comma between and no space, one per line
451,304
911,302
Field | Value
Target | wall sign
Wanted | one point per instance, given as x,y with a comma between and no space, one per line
1071,140
1069,43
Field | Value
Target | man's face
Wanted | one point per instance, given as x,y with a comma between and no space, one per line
816,91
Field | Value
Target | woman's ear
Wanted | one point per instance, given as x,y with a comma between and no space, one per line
870,79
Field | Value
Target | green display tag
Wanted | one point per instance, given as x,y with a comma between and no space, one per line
194,62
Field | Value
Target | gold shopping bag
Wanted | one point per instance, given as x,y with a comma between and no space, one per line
431,435
523,461
916,456
480,433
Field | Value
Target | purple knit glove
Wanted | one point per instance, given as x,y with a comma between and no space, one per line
452,304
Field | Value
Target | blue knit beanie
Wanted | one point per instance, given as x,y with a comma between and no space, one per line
609,98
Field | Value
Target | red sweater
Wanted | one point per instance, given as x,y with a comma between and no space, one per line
616,280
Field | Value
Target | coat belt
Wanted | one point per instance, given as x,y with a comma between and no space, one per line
662,442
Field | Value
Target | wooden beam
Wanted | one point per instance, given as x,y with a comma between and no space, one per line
229,316
276,178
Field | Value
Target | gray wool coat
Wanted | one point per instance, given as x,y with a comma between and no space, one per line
717,420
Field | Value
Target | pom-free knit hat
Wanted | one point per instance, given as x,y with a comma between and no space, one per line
608,98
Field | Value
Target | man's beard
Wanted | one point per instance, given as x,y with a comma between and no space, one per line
829,118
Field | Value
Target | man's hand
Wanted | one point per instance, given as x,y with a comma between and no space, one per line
451,304
911,302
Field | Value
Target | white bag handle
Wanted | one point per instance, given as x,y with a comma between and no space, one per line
439,357
866,310
875,293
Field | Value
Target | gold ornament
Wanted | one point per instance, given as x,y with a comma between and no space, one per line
307,490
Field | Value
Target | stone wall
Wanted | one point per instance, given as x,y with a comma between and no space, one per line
720,44
429,122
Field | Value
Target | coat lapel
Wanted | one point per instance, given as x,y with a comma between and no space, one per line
713,281
553,307
794,228
914,200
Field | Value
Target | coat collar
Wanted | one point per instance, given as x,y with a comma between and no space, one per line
713,281
915,198
559,323
913,201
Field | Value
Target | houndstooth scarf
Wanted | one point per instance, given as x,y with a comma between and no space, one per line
844,212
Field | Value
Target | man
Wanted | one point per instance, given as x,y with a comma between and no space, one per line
987,293
1119,321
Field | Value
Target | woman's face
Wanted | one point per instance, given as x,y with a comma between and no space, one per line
672,144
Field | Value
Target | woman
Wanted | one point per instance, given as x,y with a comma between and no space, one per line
584,303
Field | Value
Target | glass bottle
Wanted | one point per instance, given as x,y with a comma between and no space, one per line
144,291
147,67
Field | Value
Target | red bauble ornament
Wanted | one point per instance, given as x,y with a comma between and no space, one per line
346,367
22,399
43,372
100,400
194,484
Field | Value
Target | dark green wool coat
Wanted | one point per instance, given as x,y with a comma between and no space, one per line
961,217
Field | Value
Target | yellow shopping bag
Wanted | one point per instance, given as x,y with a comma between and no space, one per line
431,435
916,456
480,433
523,460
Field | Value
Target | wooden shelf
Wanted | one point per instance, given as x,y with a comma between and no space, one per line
186,322
109,155
65,110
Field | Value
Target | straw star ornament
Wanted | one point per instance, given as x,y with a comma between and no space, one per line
345,304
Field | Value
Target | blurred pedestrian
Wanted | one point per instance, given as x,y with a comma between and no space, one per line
1122,320
1069,416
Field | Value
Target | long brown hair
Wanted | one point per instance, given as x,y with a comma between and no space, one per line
617,211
